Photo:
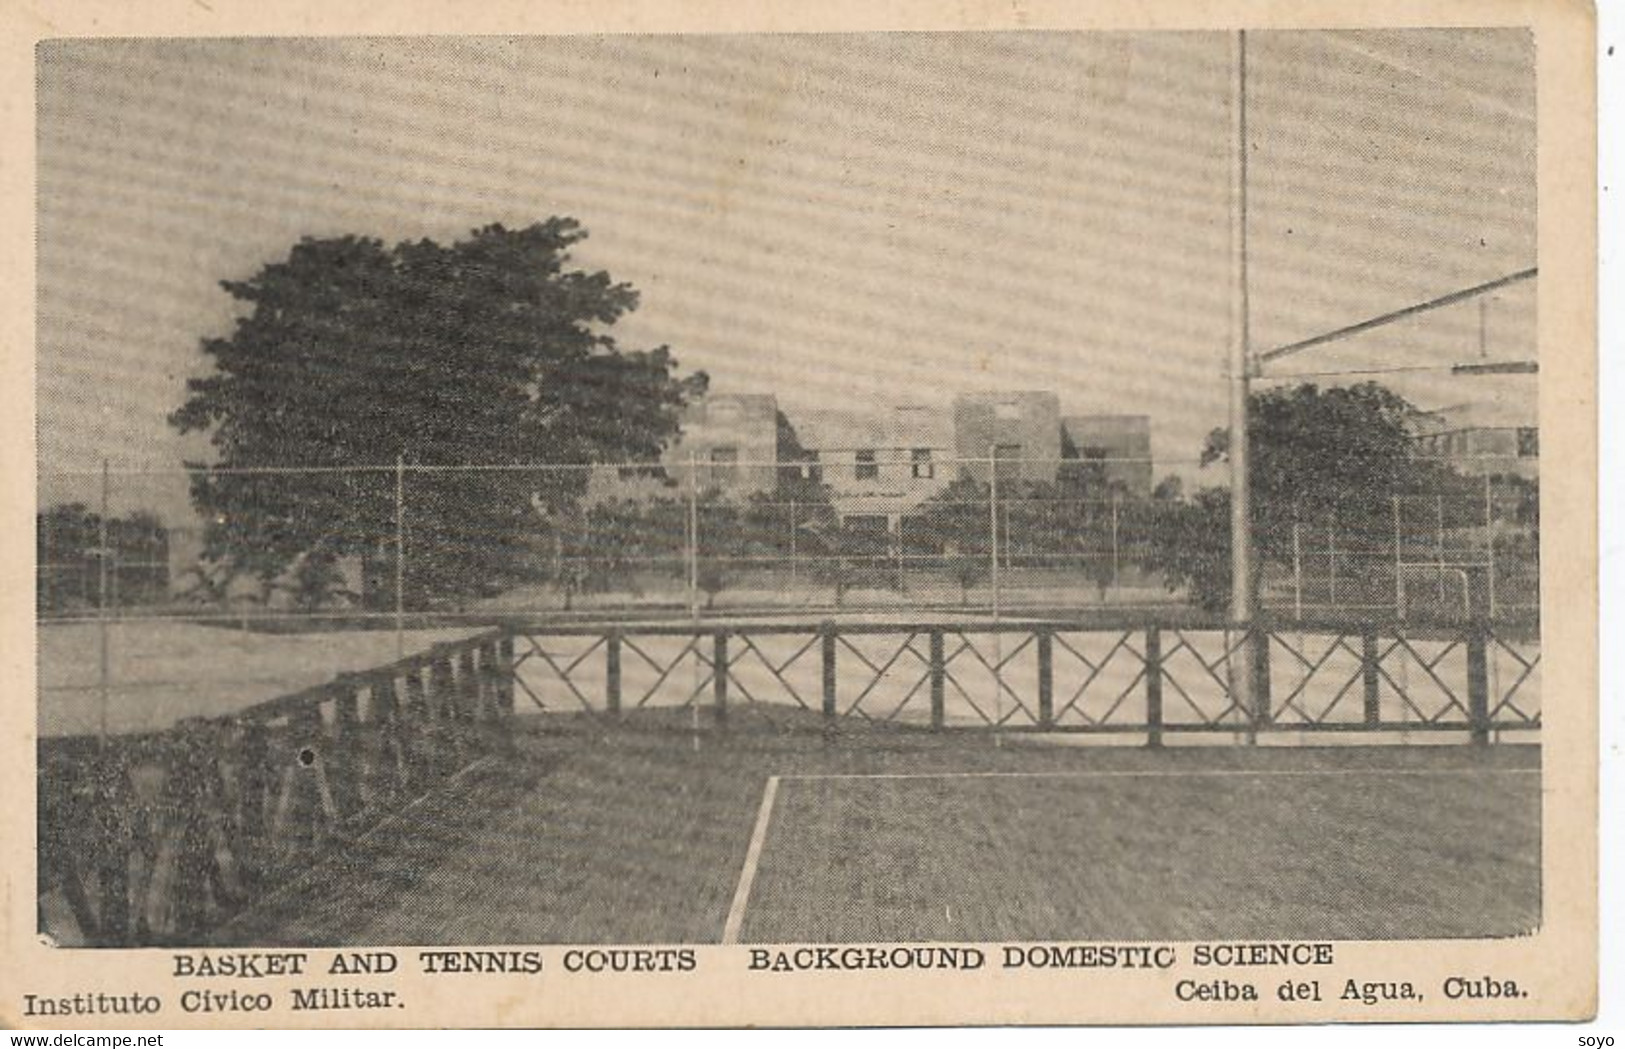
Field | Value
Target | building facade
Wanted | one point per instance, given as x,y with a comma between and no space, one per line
1483,439
1119,444
1020,430
729,442
877,466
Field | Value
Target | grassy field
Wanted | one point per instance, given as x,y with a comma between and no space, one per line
644,834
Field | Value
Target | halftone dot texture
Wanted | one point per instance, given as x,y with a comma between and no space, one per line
837,219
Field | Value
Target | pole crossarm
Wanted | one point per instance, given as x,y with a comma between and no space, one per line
1388,318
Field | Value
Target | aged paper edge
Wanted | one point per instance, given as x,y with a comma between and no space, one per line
1558,965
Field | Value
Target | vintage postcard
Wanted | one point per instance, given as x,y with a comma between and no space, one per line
910,514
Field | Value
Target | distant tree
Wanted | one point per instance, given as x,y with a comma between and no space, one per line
1171,487
955,525
70,552
1334,454
315,583
491,350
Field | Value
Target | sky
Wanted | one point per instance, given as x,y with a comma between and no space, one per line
839,220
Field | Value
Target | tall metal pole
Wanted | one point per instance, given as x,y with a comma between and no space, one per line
1241,533
998,638
1241,544
693,531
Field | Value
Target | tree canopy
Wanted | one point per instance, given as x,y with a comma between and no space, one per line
492,350
1316,454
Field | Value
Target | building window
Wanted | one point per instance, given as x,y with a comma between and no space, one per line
1528,442
923,466
866,468
812,470
1007,411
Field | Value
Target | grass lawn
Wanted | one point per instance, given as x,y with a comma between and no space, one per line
640,835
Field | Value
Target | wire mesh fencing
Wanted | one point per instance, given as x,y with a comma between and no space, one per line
416,542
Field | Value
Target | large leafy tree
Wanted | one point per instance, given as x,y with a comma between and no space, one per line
492,350
1318,455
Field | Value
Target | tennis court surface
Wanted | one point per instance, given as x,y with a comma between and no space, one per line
648,833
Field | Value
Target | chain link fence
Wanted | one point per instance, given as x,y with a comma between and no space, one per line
949,535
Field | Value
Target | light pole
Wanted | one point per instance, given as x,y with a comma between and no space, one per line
1241,532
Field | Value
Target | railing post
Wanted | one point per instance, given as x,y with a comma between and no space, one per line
1153,686
505,674
446,737
384,763
1046,678
468,693
826,633
112,821
416,729
939,675
186,791
1262,712
347,761
612,673
719,674
1369,671
1478,683
255,784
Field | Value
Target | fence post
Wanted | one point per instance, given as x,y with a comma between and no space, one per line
693,536
400,556
1331,562
1489,543
1117,579
612,673
826,632
1399,564
105,650
1046,677
1478,683
939,673
1153,686
719,674
1369,664
1297,571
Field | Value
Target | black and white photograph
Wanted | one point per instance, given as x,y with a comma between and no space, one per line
949,497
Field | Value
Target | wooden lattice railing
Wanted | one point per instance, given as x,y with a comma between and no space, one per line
157,838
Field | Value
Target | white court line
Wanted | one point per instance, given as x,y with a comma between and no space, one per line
1162,774
753,856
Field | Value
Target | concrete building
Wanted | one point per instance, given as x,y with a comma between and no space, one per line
1120,444
730,441
1484,438
877,465
1022,430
